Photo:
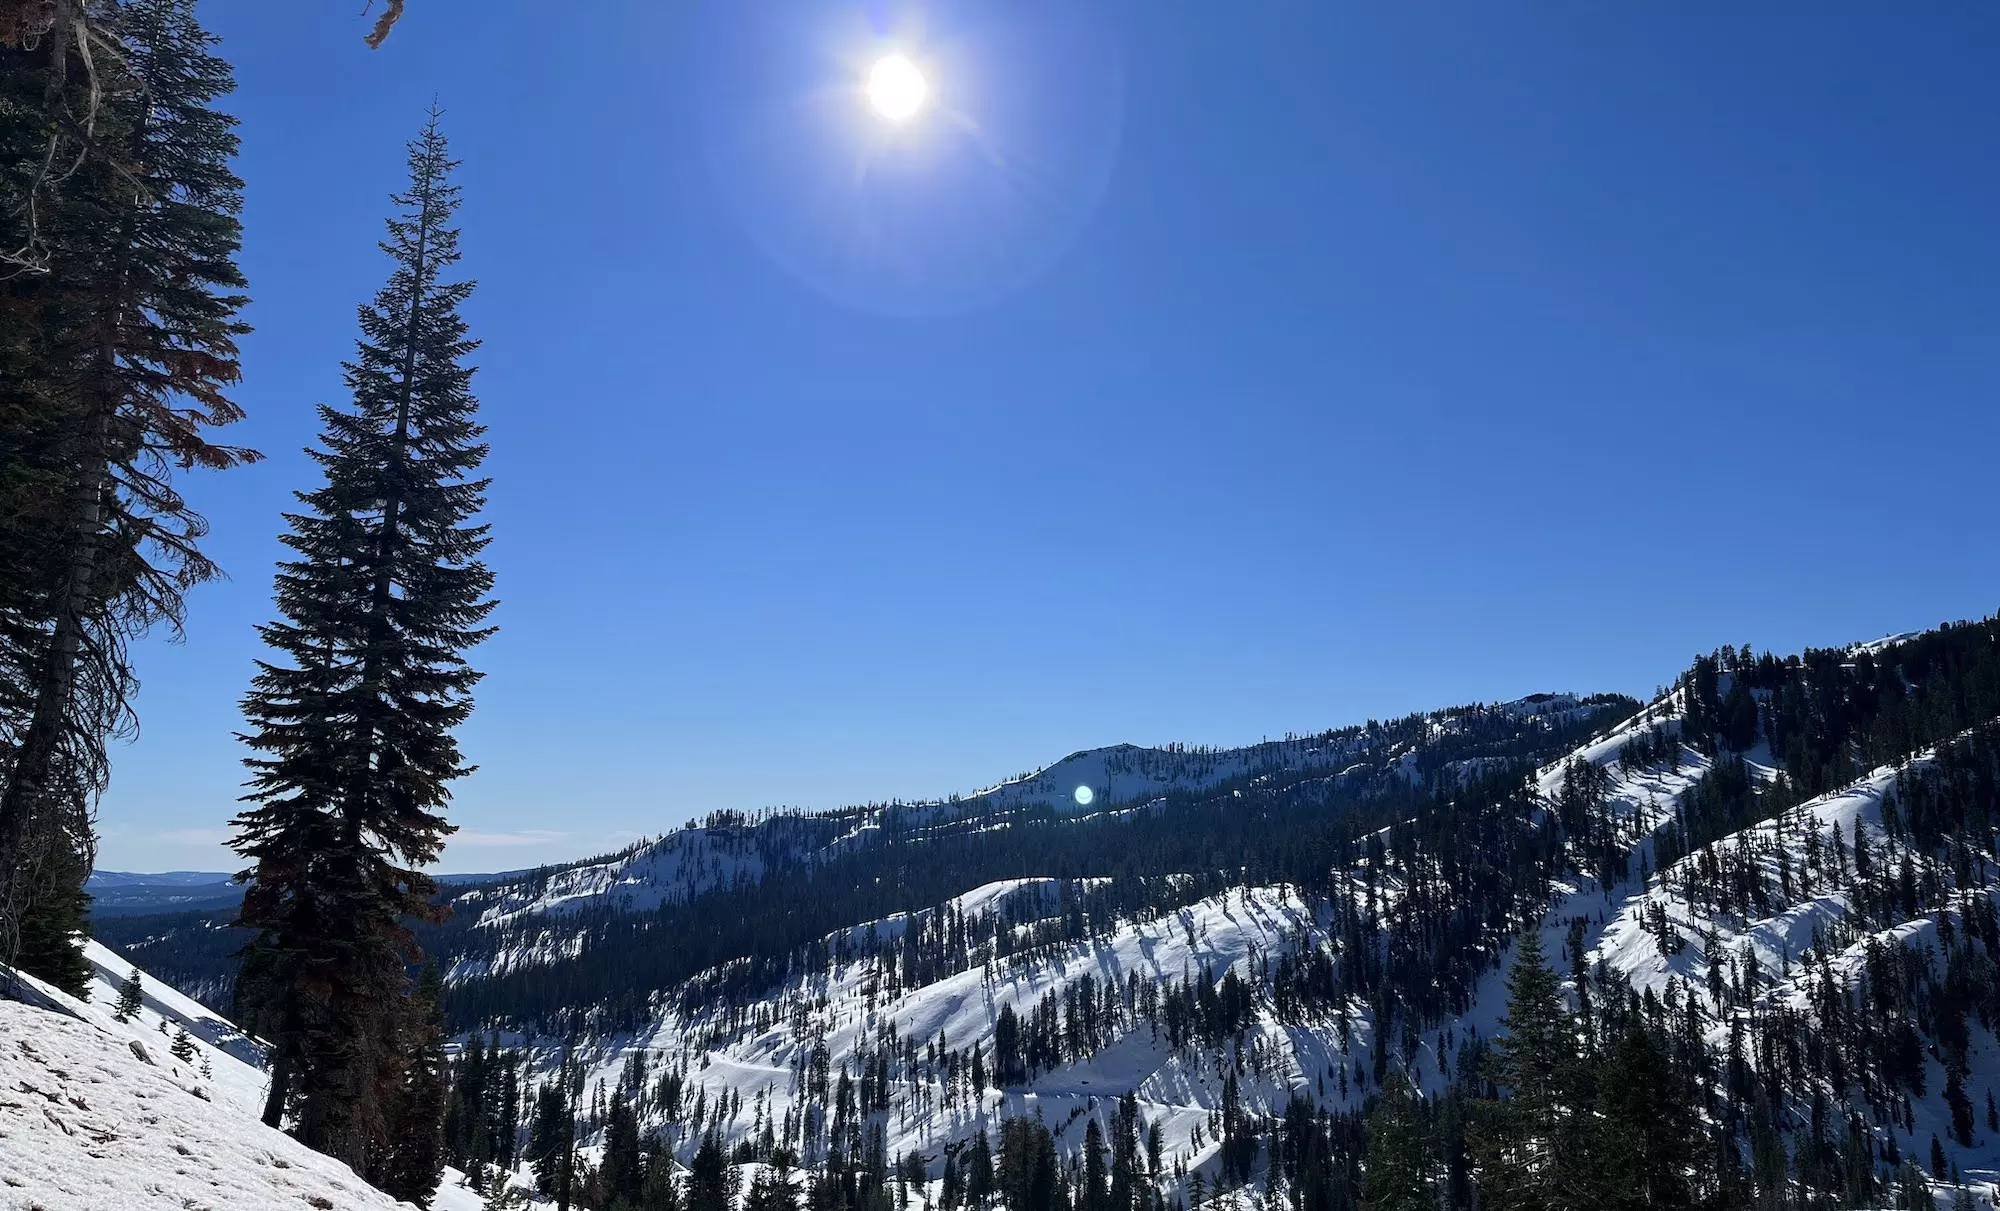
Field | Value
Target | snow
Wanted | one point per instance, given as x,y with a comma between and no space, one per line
1017,898
89,1124
694,860
1176,1088
1619,948
97,1115
159,1135
235,1059
1876,647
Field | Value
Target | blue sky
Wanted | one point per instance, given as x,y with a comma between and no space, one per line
1188,372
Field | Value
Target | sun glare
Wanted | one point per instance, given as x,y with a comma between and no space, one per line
896,89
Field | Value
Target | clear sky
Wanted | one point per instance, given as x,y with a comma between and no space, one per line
1184,372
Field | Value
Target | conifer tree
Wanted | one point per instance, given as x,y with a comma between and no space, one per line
122,329
1400,1174
659,1192
770,1192
551,1136
1527,1137
979,1169
1642,1151
1095,1193
1960,1106
351,725
182,1048
131,998
710,1187
414,1163
620,1170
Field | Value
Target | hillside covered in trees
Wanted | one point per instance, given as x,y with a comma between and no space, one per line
1734,947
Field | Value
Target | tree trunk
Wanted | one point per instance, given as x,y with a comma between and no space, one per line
21,808
27,782
281,1081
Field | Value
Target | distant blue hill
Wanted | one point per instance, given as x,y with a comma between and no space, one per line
120,892
128,893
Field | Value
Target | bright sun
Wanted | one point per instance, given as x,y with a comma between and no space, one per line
896,88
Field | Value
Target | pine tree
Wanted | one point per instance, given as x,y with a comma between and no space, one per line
1527,1139
182,1048
131,998
659,1192
1095,1194
772,1190
414,1163
352,728
1916,1192
711,1186
620,1169
1642,1146
1960,1106
133,330
551,1136
1400,1174
979,1170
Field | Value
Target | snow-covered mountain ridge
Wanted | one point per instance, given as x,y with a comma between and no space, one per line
734,850
1764,934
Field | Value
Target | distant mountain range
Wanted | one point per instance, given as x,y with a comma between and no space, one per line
122,893
116,893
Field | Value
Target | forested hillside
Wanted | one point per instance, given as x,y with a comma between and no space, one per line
1735,947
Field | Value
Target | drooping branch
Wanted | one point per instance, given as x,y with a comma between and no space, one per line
384,23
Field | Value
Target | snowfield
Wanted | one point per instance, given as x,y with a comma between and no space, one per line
97,1115
88,1124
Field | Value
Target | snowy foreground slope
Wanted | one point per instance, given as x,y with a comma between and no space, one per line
87,1125
97,1114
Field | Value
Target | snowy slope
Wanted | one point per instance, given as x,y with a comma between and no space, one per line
1805,934
755,1059
235,1060
1779,953
85,1125
1247,929
97,1115
1176,1088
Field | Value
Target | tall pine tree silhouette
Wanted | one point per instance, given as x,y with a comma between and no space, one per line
118,352
352,723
